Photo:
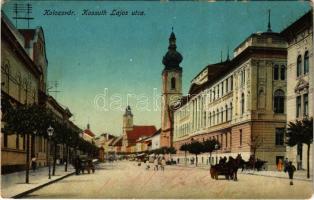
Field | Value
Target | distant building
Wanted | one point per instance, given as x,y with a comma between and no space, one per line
300,73
88,135
131,132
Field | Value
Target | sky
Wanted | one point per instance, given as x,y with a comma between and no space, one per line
103,63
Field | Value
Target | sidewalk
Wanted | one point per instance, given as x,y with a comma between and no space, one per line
13,185
298,175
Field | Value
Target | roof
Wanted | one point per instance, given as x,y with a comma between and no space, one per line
139,131
89,132
304,22
117,141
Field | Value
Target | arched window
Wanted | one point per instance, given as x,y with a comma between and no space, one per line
210,118
217,116
299,69
276,72
279,101
173,83
282,72
242,103
306,62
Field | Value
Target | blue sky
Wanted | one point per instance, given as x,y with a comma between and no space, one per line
87,54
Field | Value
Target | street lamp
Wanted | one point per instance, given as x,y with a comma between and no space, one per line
50,133
216,148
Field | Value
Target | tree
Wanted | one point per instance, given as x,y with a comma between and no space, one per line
184,147
254,144
195,147
301,132
210,146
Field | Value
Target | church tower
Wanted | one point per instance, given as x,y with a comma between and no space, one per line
128,119
171,90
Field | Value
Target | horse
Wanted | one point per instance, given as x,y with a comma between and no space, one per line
233,165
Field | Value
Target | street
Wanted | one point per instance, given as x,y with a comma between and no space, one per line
124,179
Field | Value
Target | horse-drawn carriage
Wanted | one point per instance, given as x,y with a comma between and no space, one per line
228,169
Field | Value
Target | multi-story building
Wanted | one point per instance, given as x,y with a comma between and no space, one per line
240,102
300,73
23,64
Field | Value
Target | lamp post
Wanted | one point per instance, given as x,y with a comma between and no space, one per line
50,133
216,148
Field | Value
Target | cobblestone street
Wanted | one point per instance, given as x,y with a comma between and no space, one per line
127,180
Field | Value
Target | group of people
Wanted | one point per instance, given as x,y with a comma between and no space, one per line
287,167
159,163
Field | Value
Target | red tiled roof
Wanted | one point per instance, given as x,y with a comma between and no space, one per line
89,132
139,131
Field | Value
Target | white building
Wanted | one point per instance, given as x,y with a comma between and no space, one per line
300,73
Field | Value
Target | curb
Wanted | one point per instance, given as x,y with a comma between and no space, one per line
295,178
250,173
40,186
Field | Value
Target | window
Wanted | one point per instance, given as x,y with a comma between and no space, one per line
299,61
217,116
222,116
306,62
204,123
226,139
173,83
298,106
276,72
279,136
226,107
305,105
218,91
230,111
283,72
17,141
213,117
210,118
279,101
227,87
5,139
242,103
240,137
231,82
222,89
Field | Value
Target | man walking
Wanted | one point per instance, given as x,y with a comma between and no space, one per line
290,169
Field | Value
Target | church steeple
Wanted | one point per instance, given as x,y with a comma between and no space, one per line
269,25
172,59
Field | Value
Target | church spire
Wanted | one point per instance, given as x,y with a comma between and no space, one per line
269,25
172,59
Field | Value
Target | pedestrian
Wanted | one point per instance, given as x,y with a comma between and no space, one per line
77,165
156,164
285,164
163,163
34,164
279,165
290,169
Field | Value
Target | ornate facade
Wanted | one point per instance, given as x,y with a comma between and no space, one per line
239,102
300,74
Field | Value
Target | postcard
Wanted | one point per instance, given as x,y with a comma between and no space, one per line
157,99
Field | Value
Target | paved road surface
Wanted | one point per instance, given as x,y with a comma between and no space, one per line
127,180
